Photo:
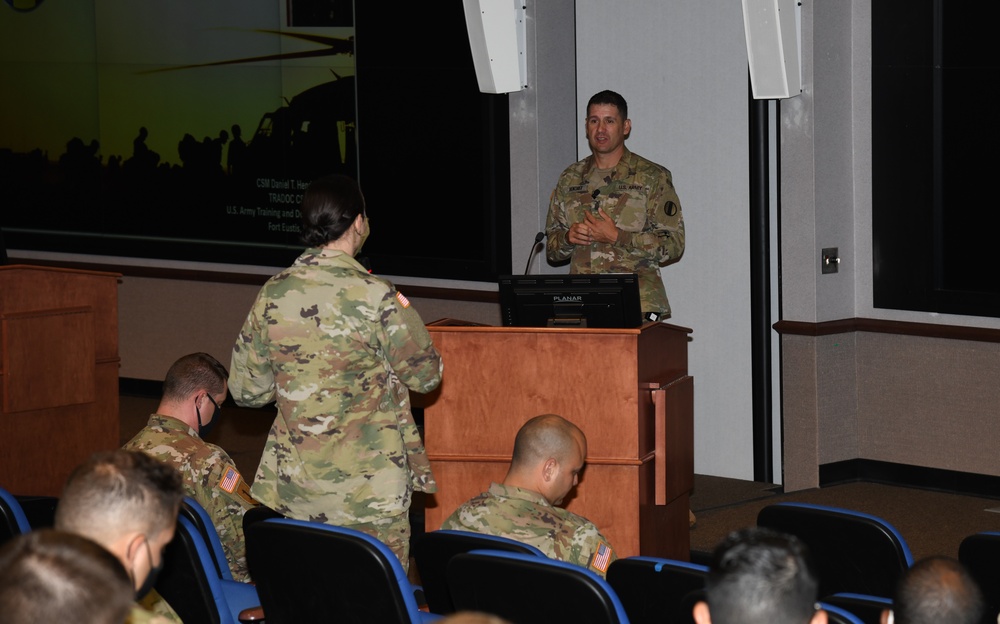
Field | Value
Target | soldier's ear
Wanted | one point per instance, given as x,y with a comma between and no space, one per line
549,469
700,613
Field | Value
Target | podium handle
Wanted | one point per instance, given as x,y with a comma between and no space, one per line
658,395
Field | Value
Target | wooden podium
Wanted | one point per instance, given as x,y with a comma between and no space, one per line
58,373
627,389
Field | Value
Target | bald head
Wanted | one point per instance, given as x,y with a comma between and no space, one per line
546,436
549,452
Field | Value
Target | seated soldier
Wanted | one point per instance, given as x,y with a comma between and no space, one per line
127,502
549,453
193,389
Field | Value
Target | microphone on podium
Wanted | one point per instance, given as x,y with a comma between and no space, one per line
538,239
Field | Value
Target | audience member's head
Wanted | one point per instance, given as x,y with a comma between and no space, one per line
760,576
127,502
549,453
193,390
936,590
52,576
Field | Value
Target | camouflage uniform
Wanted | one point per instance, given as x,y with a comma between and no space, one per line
639,196
138,615
526,516
339,349
210,477
152,609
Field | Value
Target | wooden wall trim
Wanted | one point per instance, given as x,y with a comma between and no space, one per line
902,328
251,279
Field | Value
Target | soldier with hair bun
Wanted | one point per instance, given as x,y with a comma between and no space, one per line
339,350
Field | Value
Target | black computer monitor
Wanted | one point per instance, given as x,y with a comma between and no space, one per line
608,300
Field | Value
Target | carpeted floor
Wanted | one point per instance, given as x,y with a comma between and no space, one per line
933,523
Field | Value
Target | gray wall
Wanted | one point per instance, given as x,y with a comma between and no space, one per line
682,67
904,399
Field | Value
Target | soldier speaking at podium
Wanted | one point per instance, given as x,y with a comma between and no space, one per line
615,211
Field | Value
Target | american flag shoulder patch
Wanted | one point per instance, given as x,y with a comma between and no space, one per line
602,557
403,301
230,479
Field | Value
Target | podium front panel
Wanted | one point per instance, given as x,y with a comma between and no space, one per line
496,378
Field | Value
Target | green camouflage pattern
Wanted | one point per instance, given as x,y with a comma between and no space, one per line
639,196
339,350
526,516
204,467
152,609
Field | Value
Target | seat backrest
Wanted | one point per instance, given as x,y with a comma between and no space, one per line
531,590
433,550
258,513
191,586
980,554
313,572
867,608
13,522
198,516
656,590
837,615
852,551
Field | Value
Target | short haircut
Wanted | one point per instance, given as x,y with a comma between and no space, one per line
116,492
760,576
52,576
193,372
937,590
329,207
543,437
609,97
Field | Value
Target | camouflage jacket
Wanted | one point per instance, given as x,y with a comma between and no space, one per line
338,349
152,609
526,516
210,477
639,196
138,615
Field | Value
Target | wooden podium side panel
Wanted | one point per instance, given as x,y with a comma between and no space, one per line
26,288
41,447
48,359
494,381
58,373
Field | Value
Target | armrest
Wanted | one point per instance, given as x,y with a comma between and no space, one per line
252,614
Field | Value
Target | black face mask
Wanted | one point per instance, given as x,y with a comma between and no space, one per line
205,429
154,572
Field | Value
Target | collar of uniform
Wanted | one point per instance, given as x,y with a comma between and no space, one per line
621,169
328,257
169,422
510,491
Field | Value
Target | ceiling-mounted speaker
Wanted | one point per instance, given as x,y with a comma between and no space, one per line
497,37
771,28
